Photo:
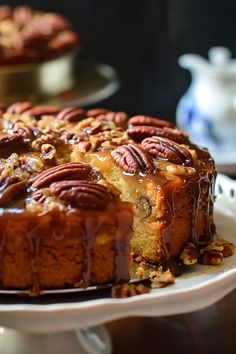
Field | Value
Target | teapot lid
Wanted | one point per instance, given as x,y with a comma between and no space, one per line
220,62
219,56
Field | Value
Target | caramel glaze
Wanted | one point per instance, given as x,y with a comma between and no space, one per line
199,185
89,224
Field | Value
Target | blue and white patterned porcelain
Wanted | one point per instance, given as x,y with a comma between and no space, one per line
207,111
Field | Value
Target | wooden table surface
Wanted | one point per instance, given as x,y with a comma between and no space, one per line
208,331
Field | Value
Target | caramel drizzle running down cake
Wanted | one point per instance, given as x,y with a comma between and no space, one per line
81,191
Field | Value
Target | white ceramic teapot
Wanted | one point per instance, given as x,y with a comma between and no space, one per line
207,111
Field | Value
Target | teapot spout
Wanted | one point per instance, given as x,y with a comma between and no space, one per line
193,62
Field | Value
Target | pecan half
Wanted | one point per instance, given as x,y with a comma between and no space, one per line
9,140
24,130
144,207
97,112
167,149
132,158
33,39
19,107
150,121
138,133
72,114
64,40
119,118
22,14
94,128
82,194
56,22
67,171
39,111
39,196
10,189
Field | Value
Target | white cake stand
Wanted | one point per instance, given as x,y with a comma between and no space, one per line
72,323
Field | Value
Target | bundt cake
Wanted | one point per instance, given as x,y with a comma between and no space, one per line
81,191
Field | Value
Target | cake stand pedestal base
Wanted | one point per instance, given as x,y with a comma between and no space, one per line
95,340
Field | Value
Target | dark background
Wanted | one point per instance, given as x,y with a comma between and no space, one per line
143,39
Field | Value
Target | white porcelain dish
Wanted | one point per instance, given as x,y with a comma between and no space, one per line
201,286
225,162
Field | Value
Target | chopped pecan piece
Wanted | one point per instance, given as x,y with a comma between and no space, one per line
150,121
173,265
68,171
43,139
82,194
70,136
140,132
161,278
72,114
19,107
132,158
10,189
129,290
167,149
48,152
222,246
39,111
210,257
189,254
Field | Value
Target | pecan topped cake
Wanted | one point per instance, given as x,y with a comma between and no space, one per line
75,183
28,36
